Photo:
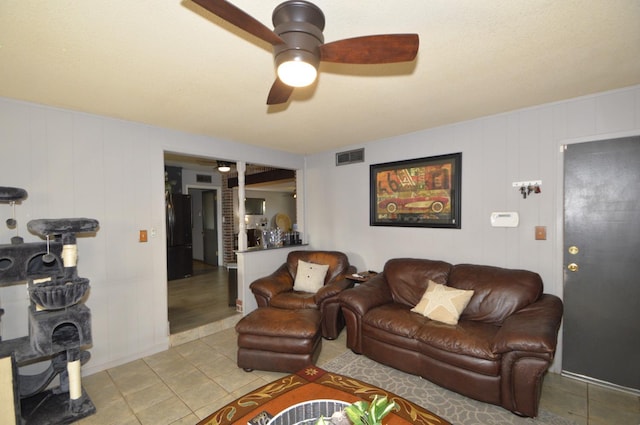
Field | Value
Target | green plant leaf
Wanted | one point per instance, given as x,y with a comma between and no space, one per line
363,413
356,413
386,410
376,408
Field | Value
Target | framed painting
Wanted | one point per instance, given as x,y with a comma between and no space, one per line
422,192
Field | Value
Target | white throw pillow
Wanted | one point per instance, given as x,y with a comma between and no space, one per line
310,276
443,303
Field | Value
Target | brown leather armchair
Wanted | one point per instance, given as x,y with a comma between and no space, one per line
276,290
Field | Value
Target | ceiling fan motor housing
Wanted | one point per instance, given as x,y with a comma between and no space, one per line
300,25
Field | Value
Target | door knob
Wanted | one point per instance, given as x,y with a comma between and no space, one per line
573,250
573,267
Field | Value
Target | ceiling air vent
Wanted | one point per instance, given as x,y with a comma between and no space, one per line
203,178
350,157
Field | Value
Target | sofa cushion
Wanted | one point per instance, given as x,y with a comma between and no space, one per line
467,337
394,324
408,278
310,276
497,292
442,303
294,300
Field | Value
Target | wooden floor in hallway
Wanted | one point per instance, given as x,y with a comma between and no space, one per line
200,299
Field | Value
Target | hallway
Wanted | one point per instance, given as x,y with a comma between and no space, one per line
199,300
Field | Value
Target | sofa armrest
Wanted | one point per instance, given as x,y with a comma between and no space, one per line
527,341
531,329
367,295
332,289
265,288
355,303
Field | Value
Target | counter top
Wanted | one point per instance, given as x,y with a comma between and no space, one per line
271,248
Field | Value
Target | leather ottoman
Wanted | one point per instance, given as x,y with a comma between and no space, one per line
279,340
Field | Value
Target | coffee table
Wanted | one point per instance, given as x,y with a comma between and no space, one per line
313,383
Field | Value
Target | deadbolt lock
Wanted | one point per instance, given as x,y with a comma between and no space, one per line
573,267
573,250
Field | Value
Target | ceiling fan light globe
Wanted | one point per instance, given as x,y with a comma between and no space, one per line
297,73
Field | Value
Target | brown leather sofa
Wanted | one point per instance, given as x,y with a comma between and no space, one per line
498,352
276,290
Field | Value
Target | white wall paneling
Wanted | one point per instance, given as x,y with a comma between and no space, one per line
496,151
75,164
80,165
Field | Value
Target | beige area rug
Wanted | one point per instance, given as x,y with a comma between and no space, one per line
452,406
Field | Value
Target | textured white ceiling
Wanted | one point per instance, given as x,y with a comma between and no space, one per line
171,64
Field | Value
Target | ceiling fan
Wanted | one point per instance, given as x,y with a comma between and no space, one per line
298,43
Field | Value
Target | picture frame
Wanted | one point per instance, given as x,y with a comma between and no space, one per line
422,192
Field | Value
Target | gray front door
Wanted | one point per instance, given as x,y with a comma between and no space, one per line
601,334
210,227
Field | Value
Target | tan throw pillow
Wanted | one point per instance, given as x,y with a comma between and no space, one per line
443,303
310,276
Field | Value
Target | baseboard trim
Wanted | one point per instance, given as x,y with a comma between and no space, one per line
604,384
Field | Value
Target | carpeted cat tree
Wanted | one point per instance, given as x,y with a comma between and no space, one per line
59,321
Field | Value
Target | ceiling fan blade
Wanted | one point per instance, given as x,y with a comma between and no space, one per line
279,93
372,49
240,19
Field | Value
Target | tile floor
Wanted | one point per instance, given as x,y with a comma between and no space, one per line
589,404
198,374
189,381
181,385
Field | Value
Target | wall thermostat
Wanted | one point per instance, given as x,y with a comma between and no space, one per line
505,219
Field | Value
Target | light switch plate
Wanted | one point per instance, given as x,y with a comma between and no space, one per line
505,219
541,233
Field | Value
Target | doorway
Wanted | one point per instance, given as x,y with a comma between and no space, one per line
209,286
202,298
205,225
210,226
197,301
601,331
